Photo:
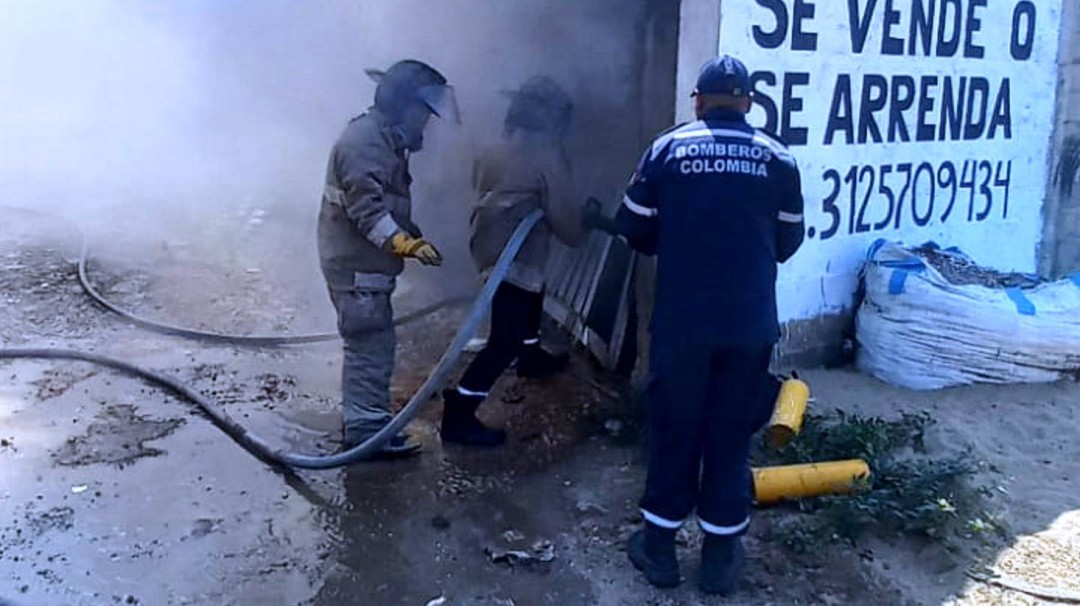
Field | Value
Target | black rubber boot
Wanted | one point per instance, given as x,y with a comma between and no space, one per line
401,446
460,425
722,560
397,447
536,363
653,552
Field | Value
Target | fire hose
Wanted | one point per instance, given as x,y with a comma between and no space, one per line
255,445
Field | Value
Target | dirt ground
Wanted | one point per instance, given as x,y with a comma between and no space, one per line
112,492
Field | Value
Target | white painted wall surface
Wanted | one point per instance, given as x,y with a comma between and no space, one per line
964,210
699,29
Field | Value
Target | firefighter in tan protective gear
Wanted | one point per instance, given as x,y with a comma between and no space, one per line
365,233
527,170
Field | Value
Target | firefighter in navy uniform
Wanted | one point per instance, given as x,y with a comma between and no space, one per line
720,205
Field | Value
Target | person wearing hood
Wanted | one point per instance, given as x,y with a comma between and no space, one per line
527,170
366,232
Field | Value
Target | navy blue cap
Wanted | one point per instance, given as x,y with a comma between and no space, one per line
724,75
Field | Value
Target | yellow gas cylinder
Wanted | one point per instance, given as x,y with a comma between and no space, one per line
788,413
774,484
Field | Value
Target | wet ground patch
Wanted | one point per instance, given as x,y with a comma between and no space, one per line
55,382
118,436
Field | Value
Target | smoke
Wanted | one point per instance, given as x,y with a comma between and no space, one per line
165,121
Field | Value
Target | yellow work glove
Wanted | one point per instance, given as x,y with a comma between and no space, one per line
417,248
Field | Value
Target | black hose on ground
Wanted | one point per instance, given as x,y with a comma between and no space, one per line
278,457
251,443
83,273
227,339
189,333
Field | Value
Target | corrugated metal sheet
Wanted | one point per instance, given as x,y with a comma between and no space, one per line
589,291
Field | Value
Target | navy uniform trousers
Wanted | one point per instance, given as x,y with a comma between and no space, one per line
704,406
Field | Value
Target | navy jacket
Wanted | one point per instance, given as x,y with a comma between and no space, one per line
720,204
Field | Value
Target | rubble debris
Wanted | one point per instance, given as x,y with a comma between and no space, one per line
33,291
514,394
205,526
591,507
960,270
274,388
34,525
541,552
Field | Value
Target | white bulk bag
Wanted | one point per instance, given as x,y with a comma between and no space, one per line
918,330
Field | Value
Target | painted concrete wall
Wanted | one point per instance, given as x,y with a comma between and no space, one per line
1061,244
699,30
633,92
912,120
